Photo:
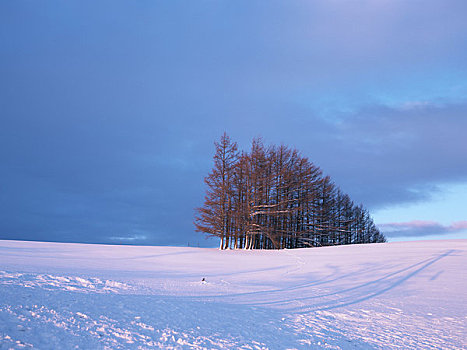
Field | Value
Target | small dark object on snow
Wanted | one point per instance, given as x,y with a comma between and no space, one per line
203,280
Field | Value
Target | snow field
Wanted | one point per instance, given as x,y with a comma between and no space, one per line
409,295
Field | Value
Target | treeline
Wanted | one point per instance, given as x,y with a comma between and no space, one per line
273,198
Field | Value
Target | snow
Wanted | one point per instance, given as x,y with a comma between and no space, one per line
404,295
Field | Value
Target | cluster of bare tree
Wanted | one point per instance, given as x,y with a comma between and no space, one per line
273,198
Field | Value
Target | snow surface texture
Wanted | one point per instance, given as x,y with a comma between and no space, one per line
410,295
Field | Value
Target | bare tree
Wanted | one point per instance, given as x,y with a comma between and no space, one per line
274,198
214,218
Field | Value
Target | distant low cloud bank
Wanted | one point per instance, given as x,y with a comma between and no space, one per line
129,239
421,228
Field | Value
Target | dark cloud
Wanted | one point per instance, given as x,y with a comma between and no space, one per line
386,155
109,111
421,228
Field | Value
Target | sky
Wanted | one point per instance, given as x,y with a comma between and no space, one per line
109,110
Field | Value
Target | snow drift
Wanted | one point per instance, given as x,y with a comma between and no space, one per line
406,295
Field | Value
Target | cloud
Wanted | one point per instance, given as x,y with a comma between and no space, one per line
386,155
99,136
129,239
419,228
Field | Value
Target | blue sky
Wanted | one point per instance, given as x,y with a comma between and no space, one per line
109,110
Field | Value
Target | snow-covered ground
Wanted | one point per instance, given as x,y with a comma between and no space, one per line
410,295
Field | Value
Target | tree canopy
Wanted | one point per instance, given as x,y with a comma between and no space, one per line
273,198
